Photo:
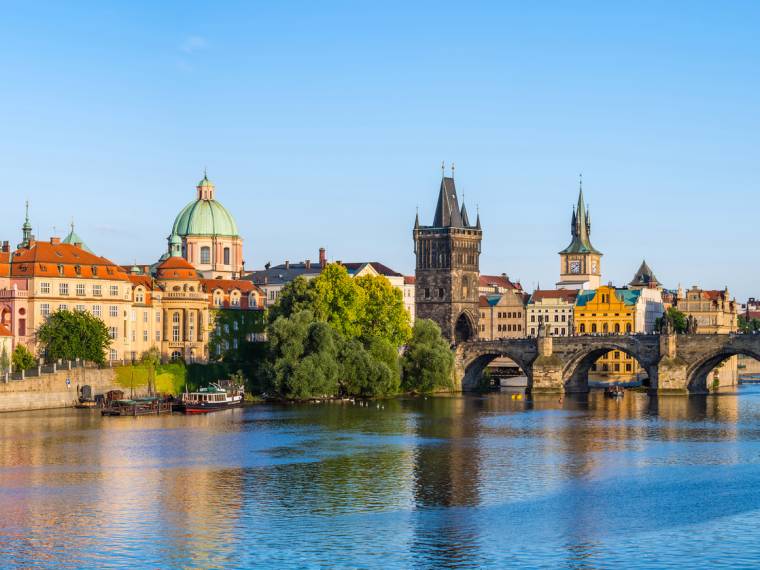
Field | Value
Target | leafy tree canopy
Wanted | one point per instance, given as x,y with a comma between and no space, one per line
22,358
428,361
69,335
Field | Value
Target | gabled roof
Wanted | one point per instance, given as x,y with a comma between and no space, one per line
228,285
644,277
501,281
376,265
567,295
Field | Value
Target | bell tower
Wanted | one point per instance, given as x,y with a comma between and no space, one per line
580,262
448,266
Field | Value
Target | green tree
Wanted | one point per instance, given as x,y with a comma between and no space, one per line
748,325
69,335
428,361
150,360
303,357
384,315
678,318
22,359
5,361
338,300
296,296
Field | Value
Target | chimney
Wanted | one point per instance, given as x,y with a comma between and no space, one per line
322,257
7,248
287,264
55,240
307,263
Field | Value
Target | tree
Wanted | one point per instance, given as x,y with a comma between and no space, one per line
428,361
151,360
5,362
294,297
678,318
303,357
23,359
748,325
69,335
337,299
384,315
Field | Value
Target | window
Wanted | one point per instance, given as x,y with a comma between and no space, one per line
45,310
145,336
113,332
617,367
175,327
134,335
235,325
63,289
158,316
427,293
628,328
60,269
226,254
234,343
139,296
158,336
628,368
94,269
563,318
63,307
44,288
80,289
440,292
113,311
617,354
235,301
205,254
114,290
219,300
556,318
114,354
533,318
97,310
80,308
97,291
617,327
134,315
145,316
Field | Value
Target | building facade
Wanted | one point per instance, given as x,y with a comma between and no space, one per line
580,262
554,308
502,315
447,268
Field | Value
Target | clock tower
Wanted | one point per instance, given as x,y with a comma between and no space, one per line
580,264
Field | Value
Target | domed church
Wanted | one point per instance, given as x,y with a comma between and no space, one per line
208,235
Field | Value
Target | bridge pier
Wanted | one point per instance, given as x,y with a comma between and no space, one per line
672,370
547,369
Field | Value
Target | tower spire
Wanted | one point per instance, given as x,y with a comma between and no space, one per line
26,228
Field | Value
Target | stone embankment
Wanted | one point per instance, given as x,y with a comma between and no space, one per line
57,389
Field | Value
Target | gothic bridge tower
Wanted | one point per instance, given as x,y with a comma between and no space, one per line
448,266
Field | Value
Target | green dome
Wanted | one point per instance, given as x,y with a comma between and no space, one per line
205,218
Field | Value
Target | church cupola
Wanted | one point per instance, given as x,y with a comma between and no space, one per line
205,188
26,230
580,262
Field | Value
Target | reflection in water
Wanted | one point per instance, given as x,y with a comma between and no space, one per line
457,481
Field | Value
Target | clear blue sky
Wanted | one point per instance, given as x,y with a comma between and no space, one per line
324,124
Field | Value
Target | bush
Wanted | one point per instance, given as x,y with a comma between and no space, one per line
22,359
428,362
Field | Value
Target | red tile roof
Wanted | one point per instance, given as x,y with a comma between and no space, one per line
228,285
46,259
498,281
567,295
409,279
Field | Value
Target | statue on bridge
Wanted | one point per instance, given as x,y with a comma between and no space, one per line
691,324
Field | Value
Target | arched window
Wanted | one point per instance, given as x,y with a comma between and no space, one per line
465,287
617,327
628,327
593,328
582,328
226,255
175,327
605,328
176,355
205,254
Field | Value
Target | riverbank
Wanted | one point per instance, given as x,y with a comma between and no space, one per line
54,390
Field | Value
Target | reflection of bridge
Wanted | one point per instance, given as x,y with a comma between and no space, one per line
674,363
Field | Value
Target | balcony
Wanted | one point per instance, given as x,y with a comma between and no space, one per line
193,295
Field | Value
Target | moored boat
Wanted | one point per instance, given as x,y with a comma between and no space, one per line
217,396
614,392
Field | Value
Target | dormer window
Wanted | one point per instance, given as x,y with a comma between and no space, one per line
94,270
60,269
78,269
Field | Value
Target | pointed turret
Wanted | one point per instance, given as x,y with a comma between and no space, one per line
26,229
74,239
644,277
447,213
477,221
580,228
465,218
417,220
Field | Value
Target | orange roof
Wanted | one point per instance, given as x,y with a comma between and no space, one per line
568,295
46,259
5,267
144,280
409,279
4,330
176,268
228,285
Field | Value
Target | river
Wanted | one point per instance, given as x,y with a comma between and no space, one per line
456,482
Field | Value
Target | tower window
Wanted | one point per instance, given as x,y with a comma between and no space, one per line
427,293
205,254
440,292
226,255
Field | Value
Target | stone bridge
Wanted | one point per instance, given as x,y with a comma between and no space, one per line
675,363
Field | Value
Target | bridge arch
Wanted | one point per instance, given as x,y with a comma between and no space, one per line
464,328
476,356
697,376
579,364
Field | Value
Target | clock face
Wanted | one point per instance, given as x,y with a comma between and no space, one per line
575,266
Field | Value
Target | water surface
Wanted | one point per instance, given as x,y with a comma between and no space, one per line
454,482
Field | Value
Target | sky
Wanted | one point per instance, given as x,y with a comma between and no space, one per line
324,124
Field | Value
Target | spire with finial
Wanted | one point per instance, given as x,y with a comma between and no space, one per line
26,229
477,221
580,227
205,187
417,218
